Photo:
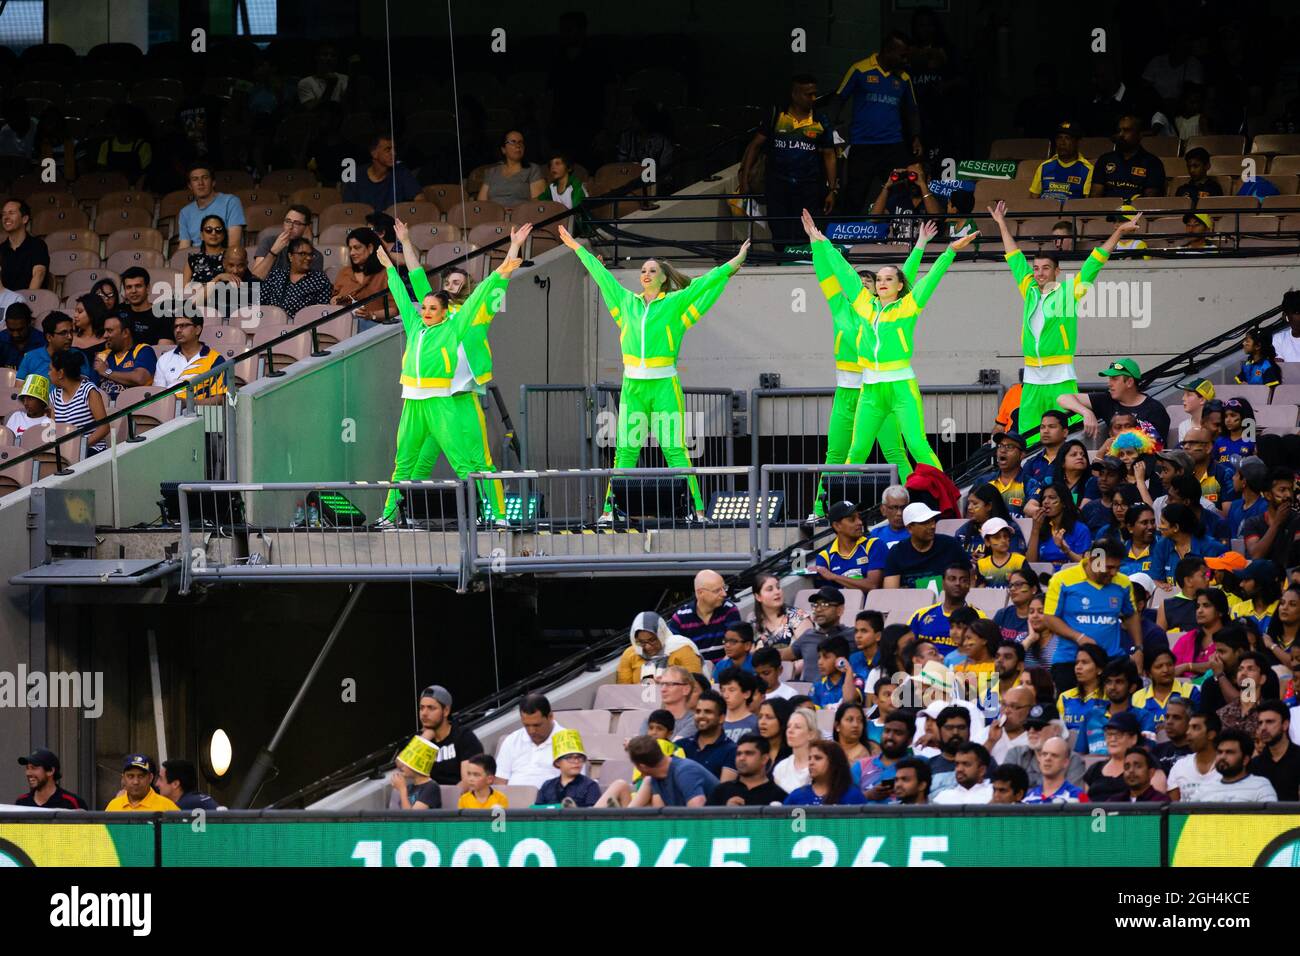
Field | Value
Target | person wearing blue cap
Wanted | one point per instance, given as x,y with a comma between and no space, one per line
43,776
138,793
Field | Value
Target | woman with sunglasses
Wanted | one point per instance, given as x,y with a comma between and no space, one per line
106,289
205,264
299,285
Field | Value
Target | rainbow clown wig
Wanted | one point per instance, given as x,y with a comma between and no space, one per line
1135,440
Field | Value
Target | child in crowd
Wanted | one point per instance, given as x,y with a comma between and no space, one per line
837,681
999,561
867,629
572,788
480,770
35,411
1260,367
1199,181
1238,438
1132,447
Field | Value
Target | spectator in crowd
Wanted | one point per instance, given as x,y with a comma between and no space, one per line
298,286
513,180
1009,480
34,396
1070,475
738,688
1013,620
1058,534
1008,659
18,337
1164,688
673,781
829,779
1042,725
911,782
737,649
921,561
1198,767
149,324
985,504
1140,769
868,627
1286,341
893,501
906,193
1009,729
710,747
953,723
362,276
827,610
1199,181
385,181
412,790
1277,759
1194,652
1119,679
1108,474
190,359
234,287
1198,227
776,623
1231,645
1169,73
325,84
1105,780
751,787
798,144
137,792
24,258
1181,537
88,316
653,648
1139,528
1129,170
1010,784
1282,637
648,135
1178,612
767,668
1122,395
1040,641
850,732
886,129
1233,443
1177,718
564,186
662,726
572,788
676,685
773,717
1085,693
851,560
706,619
56,329
206,262
1111,97
178,781
971,764
1249,483
479,794
836,681
1053,786
934,622
1066,174
1236,784
455,743
75,400
1072,613
800,731
123,364
1256,681
525,758
297,225
208,202
43,789
1274,534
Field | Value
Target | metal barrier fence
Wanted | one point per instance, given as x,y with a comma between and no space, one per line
788,425
795,487
576,426
321,530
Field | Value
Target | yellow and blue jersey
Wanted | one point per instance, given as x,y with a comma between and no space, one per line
879,99
868,554
1135,560
931,624
1145,702
1057,179
1245,611
1074,708
994,576
1229,451
1264,372
1096,610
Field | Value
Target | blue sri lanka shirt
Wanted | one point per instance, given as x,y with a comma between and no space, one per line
1265,372
1095,610
879,99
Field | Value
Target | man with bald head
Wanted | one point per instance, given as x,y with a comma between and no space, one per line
706,619
1009,730
1053,760
1215,479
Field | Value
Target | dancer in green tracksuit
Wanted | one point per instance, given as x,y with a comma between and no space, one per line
885,347
1049,320
473,371
652,324
828,265
434,336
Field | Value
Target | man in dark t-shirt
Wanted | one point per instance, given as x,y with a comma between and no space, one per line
455,744
921,560
752,788
1122,396
43,774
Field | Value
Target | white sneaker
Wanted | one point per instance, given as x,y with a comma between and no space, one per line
814,519
383,524
606,520
697,518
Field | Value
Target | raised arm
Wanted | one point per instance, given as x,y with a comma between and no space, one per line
925,288
616,297
698,297
999,213
927,231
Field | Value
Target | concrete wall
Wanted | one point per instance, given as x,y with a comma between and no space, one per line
82,24
22,609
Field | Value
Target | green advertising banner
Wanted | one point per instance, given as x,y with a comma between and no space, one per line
504,839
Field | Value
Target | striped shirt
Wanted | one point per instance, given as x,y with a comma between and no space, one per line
76,409
174,367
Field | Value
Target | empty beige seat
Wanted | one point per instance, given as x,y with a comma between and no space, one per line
619,697
586,722
988,600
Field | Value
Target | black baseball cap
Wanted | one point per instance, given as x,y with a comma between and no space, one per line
1109,463
1015,437
827,596
46,759
139,762
1040,716
841,510
1125,722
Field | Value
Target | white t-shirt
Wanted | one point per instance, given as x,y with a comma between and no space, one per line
19,421
783,690
1188,779
310,88
788,777
1287,346
1005,743
524,763
1249,789
980,793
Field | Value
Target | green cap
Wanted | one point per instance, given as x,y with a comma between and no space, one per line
1200,386
1124,366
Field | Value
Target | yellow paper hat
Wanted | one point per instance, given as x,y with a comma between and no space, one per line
564,743
419,755
36,386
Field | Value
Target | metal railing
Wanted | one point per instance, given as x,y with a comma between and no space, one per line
321,530
796,487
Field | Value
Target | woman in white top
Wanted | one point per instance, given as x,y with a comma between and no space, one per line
792,772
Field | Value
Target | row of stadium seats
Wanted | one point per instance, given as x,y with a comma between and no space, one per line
1039,148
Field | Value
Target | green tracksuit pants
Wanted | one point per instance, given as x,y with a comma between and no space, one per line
879,401
448,426
653,406
1036,399
839,440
